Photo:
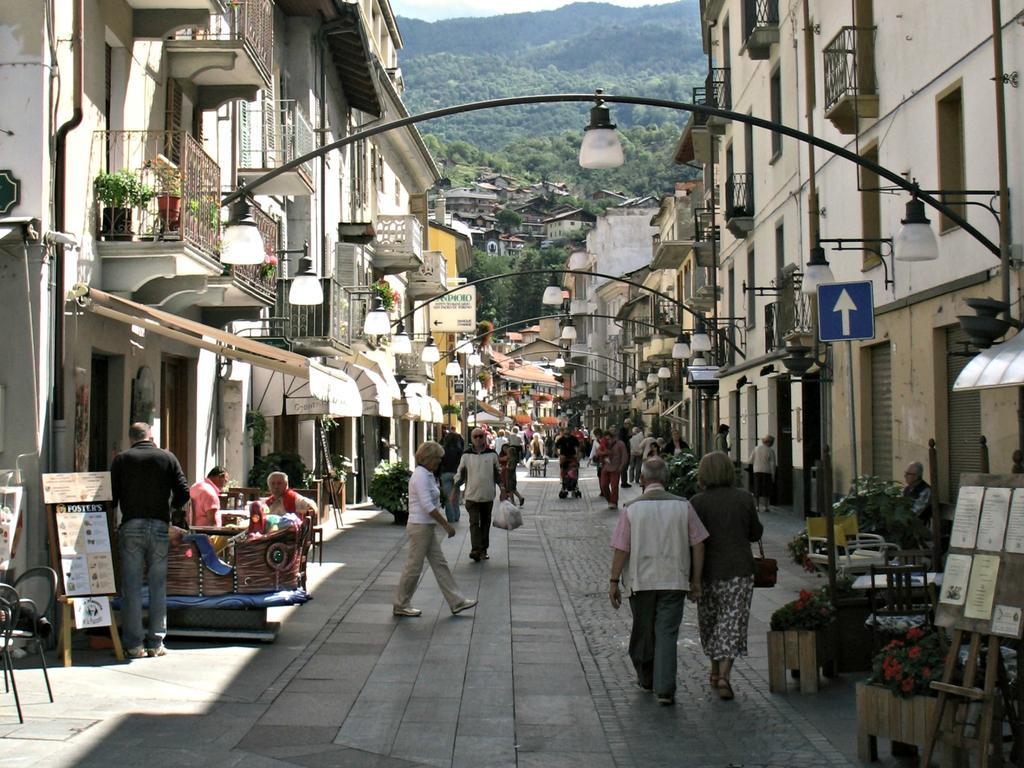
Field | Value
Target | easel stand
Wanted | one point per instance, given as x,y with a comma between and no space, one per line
976,722
67,621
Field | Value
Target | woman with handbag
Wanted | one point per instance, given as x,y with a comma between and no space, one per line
723,613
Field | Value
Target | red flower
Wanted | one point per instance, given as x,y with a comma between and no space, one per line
915,634
805,595
926,672
914,652
907,685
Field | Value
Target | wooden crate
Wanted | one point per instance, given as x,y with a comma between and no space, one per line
803,650
880,713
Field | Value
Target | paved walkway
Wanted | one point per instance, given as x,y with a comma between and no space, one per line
536,675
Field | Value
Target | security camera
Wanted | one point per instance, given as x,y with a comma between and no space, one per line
61,238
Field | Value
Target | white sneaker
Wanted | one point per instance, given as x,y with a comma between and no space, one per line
465,605
136,653
397,611
158,651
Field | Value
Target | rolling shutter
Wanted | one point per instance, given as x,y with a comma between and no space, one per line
963,414
881,411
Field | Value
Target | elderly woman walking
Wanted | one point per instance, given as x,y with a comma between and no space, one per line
425,514
723,613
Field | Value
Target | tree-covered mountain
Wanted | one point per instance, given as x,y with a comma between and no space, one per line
650,51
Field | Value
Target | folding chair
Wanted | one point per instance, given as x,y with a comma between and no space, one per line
903,602
10,608
855,552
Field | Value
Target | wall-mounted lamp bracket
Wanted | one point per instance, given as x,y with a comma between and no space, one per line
880,246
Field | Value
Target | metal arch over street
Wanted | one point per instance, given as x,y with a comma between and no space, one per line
678,106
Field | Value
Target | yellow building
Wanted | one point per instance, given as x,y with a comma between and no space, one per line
453,241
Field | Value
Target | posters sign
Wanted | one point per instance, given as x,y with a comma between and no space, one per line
455,313
80,504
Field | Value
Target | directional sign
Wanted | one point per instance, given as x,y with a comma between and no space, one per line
846,311
455,313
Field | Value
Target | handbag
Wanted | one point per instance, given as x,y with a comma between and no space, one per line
766,569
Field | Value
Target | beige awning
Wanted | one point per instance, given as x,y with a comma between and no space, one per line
1001,365
374,392
327,392
436,411
190,332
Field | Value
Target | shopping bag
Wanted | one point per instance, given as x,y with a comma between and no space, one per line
507,516
766,569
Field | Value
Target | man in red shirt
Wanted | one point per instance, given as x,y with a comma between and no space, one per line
615,461
205,496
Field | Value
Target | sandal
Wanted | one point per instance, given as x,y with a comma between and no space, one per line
725,691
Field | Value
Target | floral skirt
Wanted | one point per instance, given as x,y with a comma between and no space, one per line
723,613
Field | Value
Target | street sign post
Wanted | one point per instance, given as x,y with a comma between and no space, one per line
846,311
454,313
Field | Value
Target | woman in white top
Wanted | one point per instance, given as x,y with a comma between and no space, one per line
425,514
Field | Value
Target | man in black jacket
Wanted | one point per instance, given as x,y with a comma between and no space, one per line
147,482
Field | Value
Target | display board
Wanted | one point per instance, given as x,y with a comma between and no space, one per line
11,499
983,582
80,519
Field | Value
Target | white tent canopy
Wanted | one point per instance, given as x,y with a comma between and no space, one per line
1001,365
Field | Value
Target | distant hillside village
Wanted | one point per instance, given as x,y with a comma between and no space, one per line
504,217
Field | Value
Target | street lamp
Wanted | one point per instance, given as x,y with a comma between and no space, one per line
430,354
377,321
453,369
474,360
306,289
552,294
664,372
401,344
569,332
241,242
915,241
600,147
816,272
701,342
681,349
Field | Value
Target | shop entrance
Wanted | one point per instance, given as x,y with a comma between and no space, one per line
174,408
784,442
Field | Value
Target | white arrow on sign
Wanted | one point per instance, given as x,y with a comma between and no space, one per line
845,305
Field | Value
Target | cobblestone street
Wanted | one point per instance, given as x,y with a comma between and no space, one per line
536,675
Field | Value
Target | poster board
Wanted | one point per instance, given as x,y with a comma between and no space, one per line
12,498
80,519
983,582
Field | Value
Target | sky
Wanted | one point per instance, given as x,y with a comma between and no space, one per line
432,10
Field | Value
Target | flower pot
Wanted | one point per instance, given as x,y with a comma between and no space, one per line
881,713
169,208
803,650
116,224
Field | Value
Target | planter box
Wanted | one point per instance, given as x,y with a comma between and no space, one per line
803,650
855,640
880,713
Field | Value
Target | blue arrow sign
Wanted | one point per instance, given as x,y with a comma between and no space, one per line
846,311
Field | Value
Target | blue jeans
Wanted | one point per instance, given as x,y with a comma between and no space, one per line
451,511
143,545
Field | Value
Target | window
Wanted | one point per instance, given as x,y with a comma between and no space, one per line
776,110
780,251
751,296
950,119
870,205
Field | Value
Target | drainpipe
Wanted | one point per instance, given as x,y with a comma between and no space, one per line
59,212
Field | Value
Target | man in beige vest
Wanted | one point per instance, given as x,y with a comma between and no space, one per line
658,549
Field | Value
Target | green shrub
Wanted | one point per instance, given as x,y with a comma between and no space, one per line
682,474
289,463
881,508
122,189
389,487
811,610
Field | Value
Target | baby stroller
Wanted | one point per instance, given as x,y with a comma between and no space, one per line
569,472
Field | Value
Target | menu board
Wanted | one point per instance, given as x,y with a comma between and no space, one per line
80,531
1015,525
965,521
954,579
992,525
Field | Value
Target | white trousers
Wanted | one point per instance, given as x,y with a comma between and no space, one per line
425,543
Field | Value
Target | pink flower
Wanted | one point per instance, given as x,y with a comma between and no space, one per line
271,260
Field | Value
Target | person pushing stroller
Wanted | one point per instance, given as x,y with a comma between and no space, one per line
568,446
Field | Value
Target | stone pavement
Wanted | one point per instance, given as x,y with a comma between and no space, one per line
536,675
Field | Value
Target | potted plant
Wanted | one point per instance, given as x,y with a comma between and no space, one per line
120,192
881,508
389,489
801,639
168,192
682,474
267,269
388,296
896,702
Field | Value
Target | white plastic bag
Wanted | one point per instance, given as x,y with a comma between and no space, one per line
507,516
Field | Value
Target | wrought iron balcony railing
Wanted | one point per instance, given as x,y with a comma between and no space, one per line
177,189
739,195
248,21
759,14
718,92
789,315
848,65
700,97
274,133
261,278
703,230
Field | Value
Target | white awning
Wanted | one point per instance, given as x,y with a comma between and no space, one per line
374,392
327,392
436,411
415,407
1001,365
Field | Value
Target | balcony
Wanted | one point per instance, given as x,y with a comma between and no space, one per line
398,246
739,204
155,19
248,285
169,234
329,329
850,89
669,254
760,28
431,279
706,237
787,318
411,367
230,57
666,315
273,133
718,94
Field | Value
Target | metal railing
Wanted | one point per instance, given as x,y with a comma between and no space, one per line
739,195
700,97
759,14
789,315
843,76
274,133
330,321
703,231
183,185
261,278
717,90
250,21
665,312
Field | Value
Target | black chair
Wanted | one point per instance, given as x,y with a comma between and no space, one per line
34,624
900,599
10,608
